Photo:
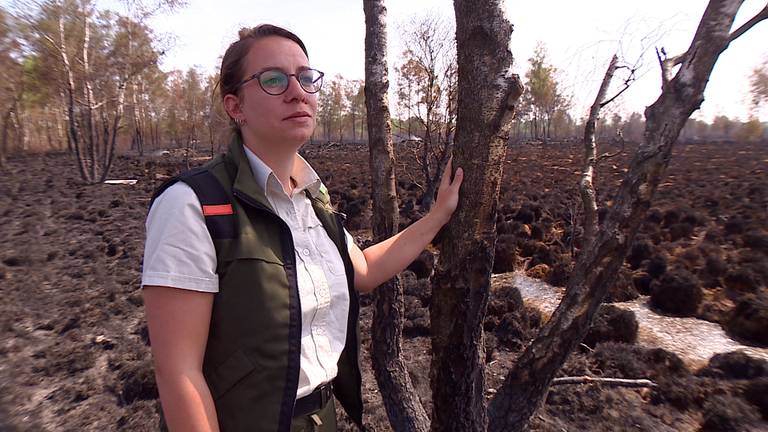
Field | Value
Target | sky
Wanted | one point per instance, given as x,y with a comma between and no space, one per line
580,37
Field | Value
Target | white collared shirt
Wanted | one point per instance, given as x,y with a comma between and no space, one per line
179,253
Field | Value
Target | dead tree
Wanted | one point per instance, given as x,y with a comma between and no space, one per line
596,267
586,185
400,400
462,279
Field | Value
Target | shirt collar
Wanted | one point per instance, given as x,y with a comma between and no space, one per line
305,176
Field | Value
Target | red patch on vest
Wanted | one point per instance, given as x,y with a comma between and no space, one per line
217,210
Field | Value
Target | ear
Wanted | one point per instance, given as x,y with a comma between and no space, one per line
232,106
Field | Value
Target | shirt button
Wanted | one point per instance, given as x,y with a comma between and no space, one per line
305,252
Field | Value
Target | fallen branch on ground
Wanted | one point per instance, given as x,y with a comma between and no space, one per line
618,382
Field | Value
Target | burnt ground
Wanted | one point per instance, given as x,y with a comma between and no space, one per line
74,350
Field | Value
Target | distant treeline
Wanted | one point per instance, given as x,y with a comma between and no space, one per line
86,80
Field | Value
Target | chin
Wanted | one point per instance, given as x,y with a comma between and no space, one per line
296,140
300,136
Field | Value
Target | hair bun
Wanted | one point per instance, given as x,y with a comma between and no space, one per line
245,33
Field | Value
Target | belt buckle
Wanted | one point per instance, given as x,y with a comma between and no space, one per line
325,394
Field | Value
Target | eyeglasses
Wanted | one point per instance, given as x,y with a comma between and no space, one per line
275,81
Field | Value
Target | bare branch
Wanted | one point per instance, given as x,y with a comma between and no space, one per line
763,14
618,382
627,83
607,155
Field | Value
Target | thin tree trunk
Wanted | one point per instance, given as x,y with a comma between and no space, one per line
462,280
586,186
73,132
155,133
434,180
110,137
138,127
4,137
88,94
48,134
403,406
62,123
426,146
527,383
22,136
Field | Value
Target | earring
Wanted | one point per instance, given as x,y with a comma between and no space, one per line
240,121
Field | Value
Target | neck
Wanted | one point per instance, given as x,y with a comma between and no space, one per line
279,157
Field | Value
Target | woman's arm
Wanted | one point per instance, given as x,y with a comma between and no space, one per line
178,321
382,261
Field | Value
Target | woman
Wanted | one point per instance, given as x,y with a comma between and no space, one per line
250,280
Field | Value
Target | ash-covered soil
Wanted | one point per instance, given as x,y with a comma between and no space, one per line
74,350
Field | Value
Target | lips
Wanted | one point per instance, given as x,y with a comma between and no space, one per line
298,114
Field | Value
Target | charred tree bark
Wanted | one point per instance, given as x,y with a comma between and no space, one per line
403,406
462,280
527,384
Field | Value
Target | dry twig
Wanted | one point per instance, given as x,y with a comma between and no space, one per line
616,382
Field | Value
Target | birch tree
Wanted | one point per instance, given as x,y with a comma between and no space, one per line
544,96
400,400
97,54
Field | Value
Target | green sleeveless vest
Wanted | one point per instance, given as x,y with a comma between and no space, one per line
251,360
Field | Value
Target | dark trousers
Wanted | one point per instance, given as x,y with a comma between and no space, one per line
326,415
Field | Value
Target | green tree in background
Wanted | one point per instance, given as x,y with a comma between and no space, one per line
543,97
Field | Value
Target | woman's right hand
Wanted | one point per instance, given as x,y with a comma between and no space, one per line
448,193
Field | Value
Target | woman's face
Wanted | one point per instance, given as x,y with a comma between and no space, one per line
284,120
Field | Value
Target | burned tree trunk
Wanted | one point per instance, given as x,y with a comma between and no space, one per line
527,384
400,400
462,280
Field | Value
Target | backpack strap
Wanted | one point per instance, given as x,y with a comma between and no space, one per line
216,203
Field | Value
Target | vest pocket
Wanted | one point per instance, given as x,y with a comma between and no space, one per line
250,249
229,373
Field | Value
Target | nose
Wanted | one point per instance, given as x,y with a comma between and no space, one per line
294,92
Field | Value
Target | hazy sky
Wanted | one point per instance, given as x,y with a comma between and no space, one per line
580,37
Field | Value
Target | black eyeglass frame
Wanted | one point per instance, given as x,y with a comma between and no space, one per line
257,75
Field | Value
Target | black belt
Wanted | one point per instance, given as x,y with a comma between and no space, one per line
313,401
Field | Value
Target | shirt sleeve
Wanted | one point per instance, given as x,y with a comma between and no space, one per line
179,252
350,240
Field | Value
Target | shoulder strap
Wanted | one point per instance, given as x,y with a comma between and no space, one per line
216,203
